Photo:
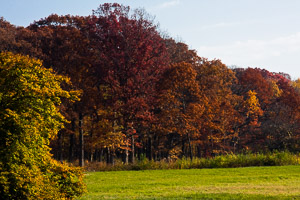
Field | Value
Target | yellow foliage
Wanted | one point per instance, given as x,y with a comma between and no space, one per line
29,97
252,105
276,90
296,85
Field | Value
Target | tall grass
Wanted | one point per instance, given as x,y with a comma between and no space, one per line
222,161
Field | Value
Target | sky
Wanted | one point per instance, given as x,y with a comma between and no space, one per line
241,33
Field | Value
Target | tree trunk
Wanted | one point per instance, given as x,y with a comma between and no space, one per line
60,148
149,148
139,153
71,141
101,155
183,147
112,157
199,151
91,151
190,146
132,149
224,142
81,141
92,156
155,147
126,153
212,145
108,155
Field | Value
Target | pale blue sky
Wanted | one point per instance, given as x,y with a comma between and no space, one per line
255,33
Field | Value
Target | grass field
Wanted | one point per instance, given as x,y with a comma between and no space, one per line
232,183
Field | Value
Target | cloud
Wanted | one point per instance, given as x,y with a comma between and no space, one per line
278,54
169,4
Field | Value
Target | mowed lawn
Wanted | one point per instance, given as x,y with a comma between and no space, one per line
232,183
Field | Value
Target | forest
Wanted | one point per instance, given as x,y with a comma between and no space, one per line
144,94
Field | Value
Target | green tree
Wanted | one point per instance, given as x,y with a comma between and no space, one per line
29,119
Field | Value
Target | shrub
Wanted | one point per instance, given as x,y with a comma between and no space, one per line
222,161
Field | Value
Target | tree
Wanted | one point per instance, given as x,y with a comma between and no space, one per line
131,58
296,85
250,135
283,123
181,104
30,118
256,80
16,39
180,52
220,116
258,91
7,36
66,48
274,124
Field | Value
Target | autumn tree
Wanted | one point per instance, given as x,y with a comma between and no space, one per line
65,50
253,79
14,39
281,126
251,136
29,98
296,85
131,56
7,36
181,104
277,127
66,46
180,52
220,116
257,93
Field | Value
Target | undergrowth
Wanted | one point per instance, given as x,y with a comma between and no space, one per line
221,161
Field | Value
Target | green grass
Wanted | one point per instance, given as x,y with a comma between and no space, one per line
221,161
232,183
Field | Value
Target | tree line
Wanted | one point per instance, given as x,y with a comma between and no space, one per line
145,94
